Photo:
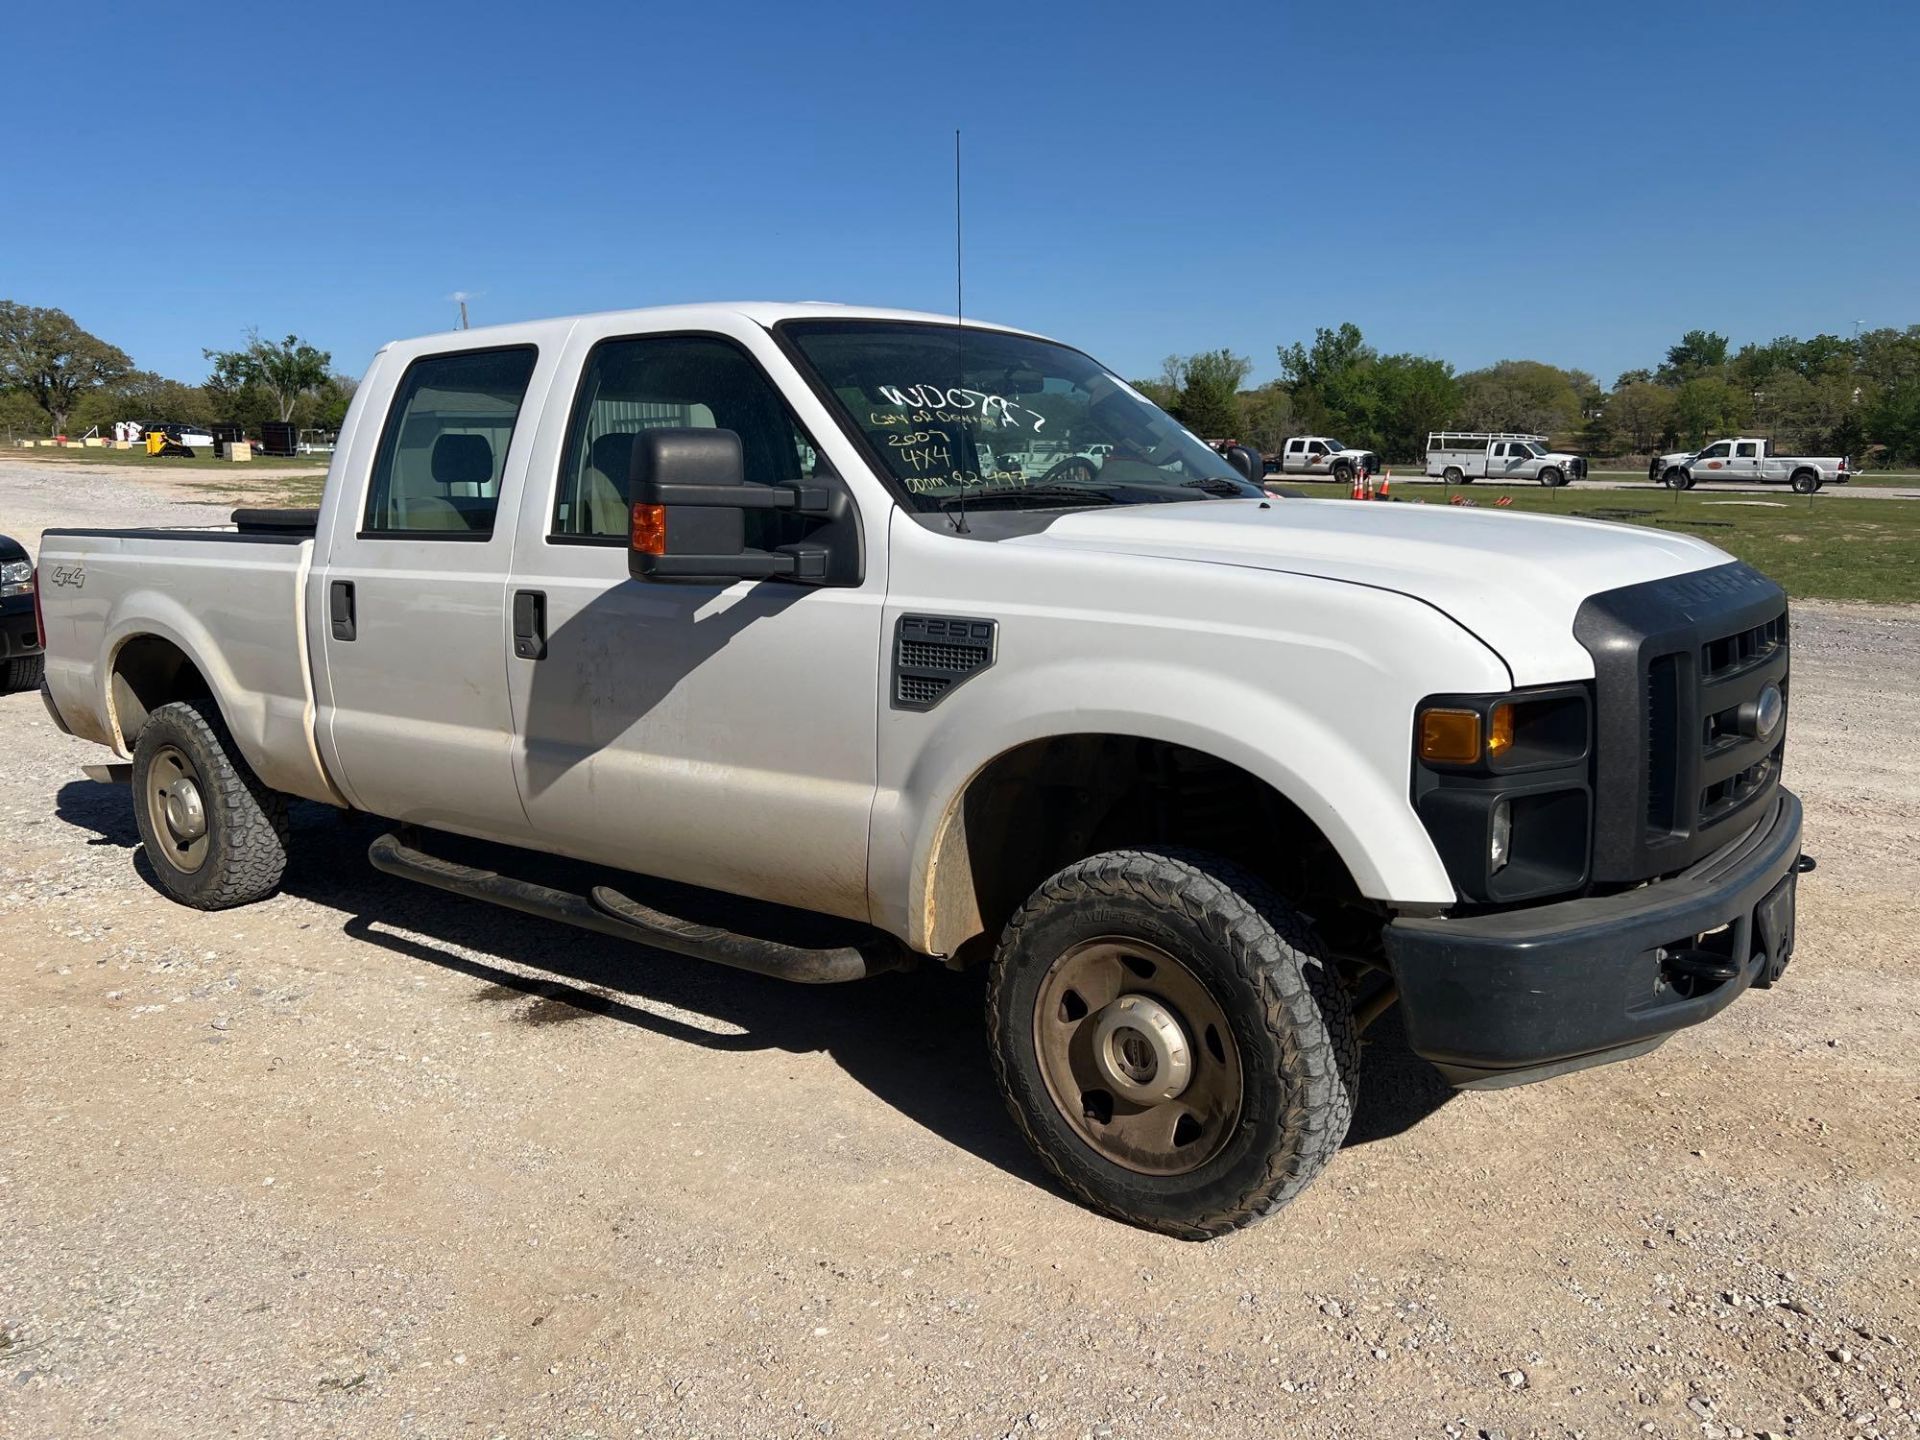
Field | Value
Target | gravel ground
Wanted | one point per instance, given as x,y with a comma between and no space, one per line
366,1160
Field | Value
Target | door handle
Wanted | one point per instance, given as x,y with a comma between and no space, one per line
530,624
340,609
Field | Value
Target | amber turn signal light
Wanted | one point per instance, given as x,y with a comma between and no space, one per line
650,529
1449,737
1500,732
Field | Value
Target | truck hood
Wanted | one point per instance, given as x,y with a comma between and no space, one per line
1515,581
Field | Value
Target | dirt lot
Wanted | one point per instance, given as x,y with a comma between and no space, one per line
365,1160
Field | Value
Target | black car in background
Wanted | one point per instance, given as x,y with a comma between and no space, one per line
20,657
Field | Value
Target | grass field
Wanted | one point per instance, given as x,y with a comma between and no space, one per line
1868,479
1813,545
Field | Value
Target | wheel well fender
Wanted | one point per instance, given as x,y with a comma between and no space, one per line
1068,791
156,650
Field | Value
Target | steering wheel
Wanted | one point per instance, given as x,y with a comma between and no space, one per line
1074,467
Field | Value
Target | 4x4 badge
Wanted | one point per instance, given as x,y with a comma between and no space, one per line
74,575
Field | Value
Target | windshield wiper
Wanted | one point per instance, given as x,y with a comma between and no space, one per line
1018,496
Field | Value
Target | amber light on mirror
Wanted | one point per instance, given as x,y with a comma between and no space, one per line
650,529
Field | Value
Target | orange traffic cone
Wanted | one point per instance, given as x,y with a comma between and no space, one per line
1386,484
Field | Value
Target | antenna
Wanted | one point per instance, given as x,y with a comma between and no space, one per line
463,312
959,298
959,271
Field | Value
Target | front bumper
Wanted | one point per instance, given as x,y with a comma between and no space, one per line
18,634
1520,995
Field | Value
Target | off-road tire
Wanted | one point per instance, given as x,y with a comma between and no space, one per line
24,672
246,822
1805,482
1290,1017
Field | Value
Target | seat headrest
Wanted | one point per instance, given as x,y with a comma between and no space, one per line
612,456
462,460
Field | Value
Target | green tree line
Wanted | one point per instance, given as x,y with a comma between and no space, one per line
58,379
1827,396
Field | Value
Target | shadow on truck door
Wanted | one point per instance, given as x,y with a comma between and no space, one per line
917,1041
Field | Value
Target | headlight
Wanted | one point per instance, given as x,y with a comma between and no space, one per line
16,577
1502,784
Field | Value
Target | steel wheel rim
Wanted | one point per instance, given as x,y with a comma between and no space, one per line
1094,1031
176,809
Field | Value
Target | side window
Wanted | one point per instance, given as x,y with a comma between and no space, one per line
445,444
1500,450
1715,452
1316,448
682,382
1293,447
1746,450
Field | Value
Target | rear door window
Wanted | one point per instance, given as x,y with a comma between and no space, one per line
444,448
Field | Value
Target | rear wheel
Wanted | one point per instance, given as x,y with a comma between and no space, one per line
1454,475
215,836
1805,482
1171,1040
24,672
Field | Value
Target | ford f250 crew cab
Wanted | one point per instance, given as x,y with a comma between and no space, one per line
1317,455
1751,459
725,596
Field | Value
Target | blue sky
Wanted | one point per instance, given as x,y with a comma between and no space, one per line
1577,184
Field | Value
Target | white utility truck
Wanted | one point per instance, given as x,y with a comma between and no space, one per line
1751,459
1323,456
1207,778
1462,457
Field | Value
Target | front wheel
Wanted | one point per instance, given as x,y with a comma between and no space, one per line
215,836
1678,479
1551,478
1805,482
1343,473
1172,1041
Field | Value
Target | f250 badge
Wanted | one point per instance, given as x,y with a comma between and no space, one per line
74,575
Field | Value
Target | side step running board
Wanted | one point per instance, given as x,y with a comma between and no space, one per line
611,913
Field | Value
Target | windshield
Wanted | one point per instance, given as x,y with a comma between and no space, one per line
984,418
1523,448
1334,446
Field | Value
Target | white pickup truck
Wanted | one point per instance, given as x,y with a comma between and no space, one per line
1207,778
1462,457
1321,455
1750,459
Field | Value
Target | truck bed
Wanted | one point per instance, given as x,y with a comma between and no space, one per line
232,602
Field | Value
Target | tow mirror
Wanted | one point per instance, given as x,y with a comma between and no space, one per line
688,498
1246,461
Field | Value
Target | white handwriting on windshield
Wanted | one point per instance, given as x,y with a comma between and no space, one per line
985,404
